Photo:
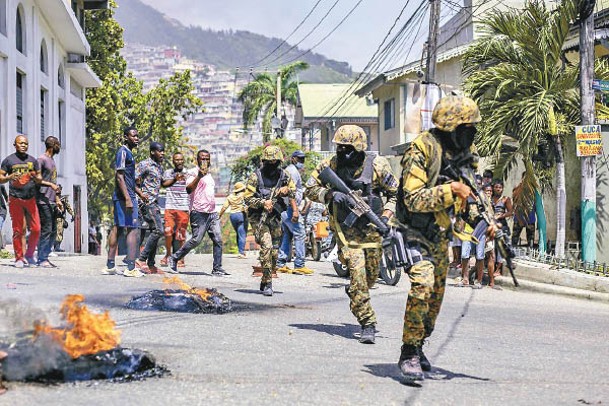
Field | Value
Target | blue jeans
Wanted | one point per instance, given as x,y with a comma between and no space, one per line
151,214
239,224
295,231
201,223
48,230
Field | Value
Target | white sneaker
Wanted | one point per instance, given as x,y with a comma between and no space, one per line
19,264
133,273
52,254
109,271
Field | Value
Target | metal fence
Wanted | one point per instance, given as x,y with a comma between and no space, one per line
571,261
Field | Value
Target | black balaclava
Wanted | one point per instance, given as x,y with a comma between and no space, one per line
459,140
270,171
348,160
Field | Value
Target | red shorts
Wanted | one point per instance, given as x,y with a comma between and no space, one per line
176,223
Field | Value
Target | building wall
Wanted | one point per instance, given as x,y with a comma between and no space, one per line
394,135
71,160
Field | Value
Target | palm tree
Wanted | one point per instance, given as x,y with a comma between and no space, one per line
259,97
528,92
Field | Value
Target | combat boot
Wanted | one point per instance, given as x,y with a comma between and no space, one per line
410,364
268,289
425,364
367,335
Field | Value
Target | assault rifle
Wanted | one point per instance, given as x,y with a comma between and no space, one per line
265,213
460,169
357,204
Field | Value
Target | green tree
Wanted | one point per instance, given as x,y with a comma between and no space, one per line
244,166
120,102
528,94
259,97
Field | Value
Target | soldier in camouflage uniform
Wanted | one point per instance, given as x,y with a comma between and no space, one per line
265,195
426,200
360,245
60,218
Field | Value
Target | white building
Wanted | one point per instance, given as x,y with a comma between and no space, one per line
43,78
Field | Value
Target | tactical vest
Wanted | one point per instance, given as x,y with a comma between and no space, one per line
370,195
423,223
265,192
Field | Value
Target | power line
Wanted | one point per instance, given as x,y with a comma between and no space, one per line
388,49
285,40
377,53
327,35
420,18
307,35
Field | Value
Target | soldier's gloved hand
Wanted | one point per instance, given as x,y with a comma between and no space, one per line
385,219
340,199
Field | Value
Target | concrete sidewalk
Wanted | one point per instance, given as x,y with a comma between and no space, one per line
544,278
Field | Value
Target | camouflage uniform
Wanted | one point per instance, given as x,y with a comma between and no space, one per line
423,193
61,218
359,248
268,233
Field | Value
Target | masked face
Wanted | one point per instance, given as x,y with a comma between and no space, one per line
299,165
347,155
464,136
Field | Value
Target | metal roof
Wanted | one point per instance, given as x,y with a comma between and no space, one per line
322,100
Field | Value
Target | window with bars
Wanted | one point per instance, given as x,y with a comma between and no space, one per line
43,114
19,102
61,130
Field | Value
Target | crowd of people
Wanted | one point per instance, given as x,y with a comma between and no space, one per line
429,207
485,252
35,203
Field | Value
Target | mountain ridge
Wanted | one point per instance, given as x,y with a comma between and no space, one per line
226,49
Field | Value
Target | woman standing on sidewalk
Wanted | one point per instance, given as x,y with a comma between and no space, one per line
238,218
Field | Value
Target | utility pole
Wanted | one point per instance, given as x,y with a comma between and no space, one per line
278,114
588,181
432,41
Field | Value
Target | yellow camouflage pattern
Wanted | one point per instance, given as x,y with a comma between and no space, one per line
421,166
268,234
364,270
272,153
452,111
351,135
359,249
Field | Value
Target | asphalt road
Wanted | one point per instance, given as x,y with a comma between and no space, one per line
489,348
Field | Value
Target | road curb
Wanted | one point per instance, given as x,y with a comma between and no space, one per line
542,278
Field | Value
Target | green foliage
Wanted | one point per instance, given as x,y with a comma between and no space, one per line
244,166
259,97
225,49
528,92
121,102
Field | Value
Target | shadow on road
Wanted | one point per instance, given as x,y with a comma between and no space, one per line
344,330
439,374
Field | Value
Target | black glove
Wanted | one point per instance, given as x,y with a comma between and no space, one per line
385,219
340,199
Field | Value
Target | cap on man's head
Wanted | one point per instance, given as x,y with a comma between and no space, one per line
156,146
298,154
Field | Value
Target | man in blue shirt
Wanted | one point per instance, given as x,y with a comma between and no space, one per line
293,230
125,206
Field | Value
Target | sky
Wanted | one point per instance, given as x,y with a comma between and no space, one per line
354,42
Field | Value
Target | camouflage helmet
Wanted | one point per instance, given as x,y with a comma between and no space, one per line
272,153
452,111
351,135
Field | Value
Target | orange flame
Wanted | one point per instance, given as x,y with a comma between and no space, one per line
203,293
86,332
